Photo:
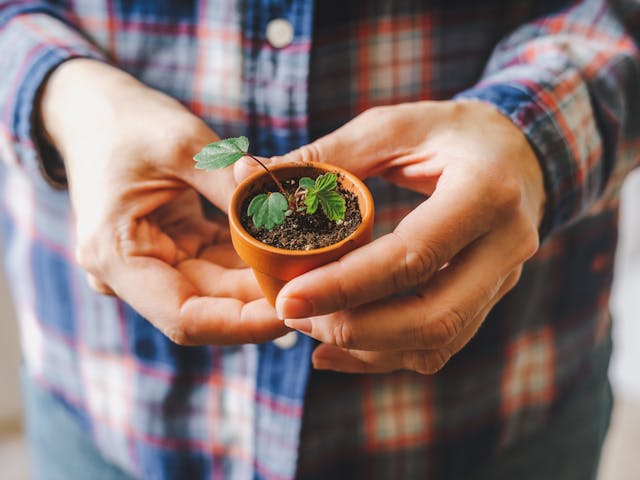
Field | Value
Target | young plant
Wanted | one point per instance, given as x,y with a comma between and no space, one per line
322,192
270,209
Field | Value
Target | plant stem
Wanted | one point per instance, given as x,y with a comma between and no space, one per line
278,184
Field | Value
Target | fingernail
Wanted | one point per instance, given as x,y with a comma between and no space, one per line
303,325
292,307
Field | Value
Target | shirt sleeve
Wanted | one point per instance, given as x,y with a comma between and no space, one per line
571,82
35,37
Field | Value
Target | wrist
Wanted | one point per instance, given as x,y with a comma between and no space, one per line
77,95
508,143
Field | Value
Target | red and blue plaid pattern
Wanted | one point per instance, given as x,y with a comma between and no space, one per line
567,73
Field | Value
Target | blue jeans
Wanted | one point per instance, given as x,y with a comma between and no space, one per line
569,449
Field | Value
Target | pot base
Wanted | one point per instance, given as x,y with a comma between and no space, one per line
269,285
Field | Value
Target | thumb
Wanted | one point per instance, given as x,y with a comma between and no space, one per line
335,148
247,166
354,147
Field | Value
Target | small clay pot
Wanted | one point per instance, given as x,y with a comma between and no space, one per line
273,267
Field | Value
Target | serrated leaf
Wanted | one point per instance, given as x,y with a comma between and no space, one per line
241,143
222,154
328,181
311,201
332,204
268,210
307,183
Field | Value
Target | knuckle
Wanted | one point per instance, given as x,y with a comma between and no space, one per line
83,258
531,243
343,335
509,196
513,279
373,112
421,334
182,330
308,153
437,360
415,267
97,244
341,298
98,286
446,327
528,239
88,256
427,362
415,361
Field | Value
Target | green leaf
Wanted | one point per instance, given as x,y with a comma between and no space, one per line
328,181
307,183
311,201
222,154
268,210
333,205
241,143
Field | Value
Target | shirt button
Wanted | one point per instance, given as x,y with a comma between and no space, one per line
286,341
279,33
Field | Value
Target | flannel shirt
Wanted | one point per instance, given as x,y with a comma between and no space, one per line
567,73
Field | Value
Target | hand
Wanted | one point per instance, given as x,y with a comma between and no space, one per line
462,249
141,232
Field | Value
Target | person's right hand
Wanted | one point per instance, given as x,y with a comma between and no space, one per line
141,233
413,298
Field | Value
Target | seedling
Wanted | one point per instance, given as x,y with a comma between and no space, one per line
270,209
322,191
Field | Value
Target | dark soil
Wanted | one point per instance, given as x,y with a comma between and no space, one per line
301,231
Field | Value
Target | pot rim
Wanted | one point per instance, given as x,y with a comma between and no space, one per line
362,192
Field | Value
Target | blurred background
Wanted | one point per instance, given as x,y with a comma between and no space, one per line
621,460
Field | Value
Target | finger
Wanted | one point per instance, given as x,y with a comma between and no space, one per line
251,322
430,361
423,242
246,166
366,146
421,177
163,295
99,286
217,186
191,236
223,255
427,362
137,265
183,221
432,318
330,357
217,281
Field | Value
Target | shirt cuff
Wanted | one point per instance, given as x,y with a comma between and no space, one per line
38,43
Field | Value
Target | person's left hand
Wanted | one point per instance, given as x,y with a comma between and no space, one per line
462,249
140,229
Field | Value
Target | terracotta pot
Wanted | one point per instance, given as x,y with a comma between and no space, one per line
273,267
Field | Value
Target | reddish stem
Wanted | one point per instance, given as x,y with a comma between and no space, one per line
278,184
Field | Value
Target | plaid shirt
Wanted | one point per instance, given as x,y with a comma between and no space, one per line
569,78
